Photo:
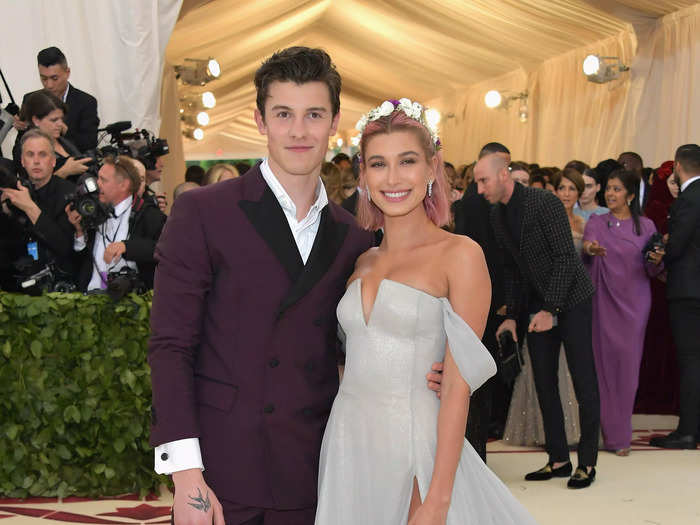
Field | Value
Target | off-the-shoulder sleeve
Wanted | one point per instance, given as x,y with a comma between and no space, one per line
473,359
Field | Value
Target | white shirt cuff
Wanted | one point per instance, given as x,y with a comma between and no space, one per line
175,456
79,243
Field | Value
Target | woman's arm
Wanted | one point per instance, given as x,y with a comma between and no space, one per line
470,296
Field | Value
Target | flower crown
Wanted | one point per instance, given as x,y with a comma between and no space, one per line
412,110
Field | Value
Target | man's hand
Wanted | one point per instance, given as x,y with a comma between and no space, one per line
19,125
510,326
22,200
114,251
542,321
162,201
195,503
75,219
435,378
656,256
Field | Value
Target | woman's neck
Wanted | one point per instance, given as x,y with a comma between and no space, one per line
407,231
590,206
622,214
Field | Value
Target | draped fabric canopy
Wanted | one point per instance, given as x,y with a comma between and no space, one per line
445,53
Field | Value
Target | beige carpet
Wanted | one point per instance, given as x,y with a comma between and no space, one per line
650,487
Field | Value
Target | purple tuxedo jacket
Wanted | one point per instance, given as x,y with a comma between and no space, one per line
242,351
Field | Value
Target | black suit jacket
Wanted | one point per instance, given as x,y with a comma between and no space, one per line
683,248
146,222
350,203
81,119
546,259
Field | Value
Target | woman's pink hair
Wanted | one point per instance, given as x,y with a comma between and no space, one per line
369,216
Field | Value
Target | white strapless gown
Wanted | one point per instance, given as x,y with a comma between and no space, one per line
382,431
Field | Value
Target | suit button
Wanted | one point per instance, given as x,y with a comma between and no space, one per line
317,322
164,456
274,363
307,412
269,409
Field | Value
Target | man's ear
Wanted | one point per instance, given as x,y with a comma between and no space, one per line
260,122
68,72
334,124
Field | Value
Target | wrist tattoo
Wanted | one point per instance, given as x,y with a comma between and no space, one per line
200,503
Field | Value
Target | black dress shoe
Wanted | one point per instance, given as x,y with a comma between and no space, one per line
581,478
675,441
548,472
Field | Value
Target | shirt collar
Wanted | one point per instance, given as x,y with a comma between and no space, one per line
516,196
65,95
283,197
123,205
689,182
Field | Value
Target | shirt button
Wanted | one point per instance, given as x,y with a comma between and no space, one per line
269,409
274,363
164,456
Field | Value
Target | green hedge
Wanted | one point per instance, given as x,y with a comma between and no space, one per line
75,396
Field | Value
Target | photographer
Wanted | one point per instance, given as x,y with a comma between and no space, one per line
128,238
37,207
154,171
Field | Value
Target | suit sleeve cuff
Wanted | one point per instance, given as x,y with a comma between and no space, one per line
175,456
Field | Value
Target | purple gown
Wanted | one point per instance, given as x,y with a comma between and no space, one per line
621,307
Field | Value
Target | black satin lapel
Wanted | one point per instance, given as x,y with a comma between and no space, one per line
327,244
269,221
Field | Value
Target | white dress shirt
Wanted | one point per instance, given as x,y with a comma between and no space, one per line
115,229
689,182
185,454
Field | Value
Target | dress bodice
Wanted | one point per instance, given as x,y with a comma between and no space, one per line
404,335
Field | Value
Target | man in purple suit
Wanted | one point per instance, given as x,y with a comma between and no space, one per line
242,352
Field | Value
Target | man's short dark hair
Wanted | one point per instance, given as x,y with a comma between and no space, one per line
493,147
195,173
578,165
299,65
634,155
340,157
52,56
688,156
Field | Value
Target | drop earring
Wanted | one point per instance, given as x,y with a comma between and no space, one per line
430,189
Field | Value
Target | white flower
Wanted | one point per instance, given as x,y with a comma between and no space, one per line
417,109
361,124
387,108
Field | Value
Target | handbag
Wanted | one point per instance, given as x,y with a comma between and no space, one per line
510,357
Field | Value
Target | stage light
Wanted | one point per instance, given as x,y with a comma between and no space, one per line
198,134
432,115
600,69
339,142
493,99
198,72
193,133
523,113
208,99
202,118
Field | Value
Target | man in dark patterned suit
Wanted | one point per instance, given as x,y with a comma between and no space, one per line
545,278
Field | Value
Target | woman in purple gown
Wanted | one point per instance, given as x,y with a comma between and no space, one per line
613,244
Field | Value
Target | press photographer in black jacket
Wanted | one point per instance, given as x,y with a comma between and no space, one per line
128,238
39,226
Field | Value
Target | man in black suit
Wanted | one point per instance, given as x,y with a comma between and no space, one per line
632,161
544,277
81,119
682,259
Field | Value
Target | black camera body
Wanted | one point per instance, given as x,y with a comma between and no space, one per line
86,201
656,241
124,281
47,279
9,179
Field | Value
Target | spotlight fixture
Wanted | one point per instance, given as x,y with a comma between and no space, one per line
495,99
432,115
200,119
203,118
600,69
193,133
208,99
198,72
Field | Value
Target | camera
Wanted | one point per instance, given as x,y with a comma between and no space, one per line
123,282
655,242
47,279
9,179
86,200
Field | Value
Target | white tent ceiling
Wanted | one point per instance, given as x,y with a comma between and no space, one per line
384,49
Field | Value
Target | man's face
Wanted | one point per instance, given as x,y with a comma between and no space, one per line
156,173
631,163
113,188
55,79
298,122
38,159
488,177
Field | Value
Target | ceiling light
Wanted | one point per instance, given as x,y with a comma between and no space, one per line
202,118
432,115
193,133
493,99
339,142
198,134
600,69
198,72
208,99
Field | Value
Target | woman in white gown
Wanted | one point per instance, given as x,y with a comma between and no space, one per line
392,451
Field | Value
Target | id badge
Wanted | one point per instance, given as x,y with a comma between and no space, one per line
33,250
